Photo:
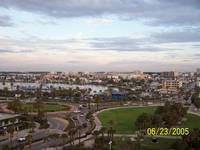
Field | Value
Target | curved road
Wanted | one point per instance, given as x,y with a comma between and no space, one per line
57,123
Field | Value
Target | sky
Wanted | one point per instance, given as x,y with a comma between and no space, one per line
99,35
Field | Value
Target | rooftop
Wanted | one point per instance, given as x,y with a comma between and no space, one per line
4,116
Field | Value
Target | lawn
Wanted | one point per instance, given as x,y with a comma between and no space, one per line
48,107
147,144
193,121
164,144
124,119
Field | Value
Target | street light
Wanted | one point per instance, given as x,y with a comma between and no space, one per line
110,143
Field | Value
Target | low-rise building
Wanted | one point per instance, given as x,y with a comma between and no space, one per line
7,120
198,83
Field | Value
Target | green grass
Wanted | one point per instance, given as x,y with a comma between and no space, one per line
193,121
123,118
48,107
147,144
164,144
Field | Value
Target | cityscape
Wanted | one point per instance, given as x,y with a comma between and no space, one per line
60,110
99,75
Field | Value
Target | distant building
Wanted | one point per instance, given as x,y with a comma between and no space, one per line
198,83
171,84
168,75
198,71
118,95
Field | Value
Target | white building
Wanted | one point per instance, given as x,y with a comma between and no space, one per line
198,83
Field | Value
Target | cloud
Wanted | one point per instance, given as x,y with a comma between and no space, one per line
123,44
15,51
117,44
5,21
185,36
96,21
5,51
73,62
152,12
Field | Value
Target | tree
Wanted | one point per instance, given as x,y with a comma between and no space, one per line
89,103
171,113
4,82
144,121
111,131
97,100
72,133
6,147
32,125
54,136
197,102
96,133
45,139
5,91
79,134
29,138
102,131
15,105
193,139
64,137
156,120
11,131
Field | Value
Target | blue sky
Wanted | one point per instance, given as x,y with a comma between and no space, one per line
99,35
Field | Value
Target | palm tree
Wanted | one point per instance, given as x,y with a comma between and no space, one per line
97,100
4,82
29,138
72,136
138,139
39,105
54,136
32,125
45,142
111,131
5,90
64,137
102,131
79,134
11,131
5,147
89,103
96,133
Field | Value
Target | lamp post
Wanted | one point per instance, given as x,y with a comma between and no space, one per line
110,143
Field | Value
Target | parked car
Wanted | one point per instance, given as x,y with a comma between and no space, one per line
21,139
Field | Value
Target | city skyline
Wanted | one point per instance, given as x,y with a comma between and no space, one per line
99,35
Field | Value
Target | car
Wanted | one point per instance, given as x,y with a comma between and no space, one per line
77,111
81,115
21,139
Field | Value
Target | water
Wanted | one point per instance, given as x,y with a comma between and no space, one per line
96,88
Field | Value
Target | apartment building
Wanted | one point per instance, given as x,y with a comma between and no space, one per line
171,84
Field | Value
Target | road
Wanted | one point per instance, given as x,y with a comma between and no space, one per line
55,122
56,125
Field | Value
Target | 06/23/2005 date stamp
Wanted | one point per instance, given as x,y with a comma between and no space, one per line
167,131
